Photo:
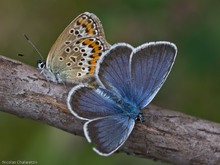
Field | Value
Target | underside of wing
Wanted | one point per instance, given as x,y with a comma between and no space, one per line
85,25
74,55
79,59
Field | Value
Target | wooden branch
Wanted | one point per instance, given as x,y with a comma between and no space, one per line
166,135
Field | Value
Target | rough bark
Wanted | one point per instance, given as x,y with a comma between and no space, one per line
166,135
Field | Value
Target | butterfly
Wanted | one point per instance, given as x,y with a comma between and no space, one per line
128,78
74,55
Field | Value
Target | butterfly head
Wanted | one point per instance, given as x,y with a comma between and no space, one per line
41,64
52,76
140,117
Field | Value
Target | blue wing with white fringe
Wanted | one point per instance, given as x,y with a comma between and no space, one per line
108,133
113,70
129,79
136,74
89,103
150,66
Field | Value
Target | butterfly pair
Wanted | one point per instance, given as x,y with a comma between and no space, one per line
128,79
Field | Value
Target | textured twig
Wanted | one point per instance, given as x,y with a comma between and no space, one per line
165,135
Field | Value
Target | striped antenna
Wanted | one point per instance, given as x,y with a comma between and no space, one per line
35,48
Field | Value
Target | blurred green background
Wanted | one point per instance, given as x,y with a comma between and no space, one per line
192,87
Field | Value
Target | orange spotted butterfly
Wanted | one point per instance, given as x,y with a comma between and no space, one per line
74,55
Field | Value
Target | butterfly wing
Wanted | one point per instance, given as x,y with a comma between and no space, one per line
78,60
136,74
107,126
89,103
85,25
76,51
108,133
150,66
113,70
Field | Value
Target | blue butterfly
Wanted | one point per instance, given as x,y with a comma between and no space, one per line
128,78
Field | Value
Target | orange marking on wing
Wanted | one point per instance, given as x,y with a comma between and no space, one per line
93,44
80,21
92,61
90,32
96,49
89,27
87,41
92,70
95,56
86,23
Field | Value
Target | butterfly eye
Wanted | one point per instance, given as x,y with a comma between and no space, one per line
140,117
41,64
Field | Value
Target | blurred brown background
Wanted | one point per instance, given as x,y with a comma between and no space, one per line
192,87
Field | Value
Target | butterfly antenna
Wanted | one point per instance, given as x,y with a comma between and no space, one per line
32,44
